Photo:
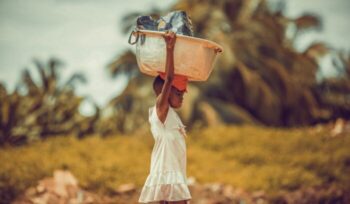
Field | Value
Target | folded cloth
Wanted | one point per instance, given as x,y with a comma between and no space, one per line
146,23
179,81
177,21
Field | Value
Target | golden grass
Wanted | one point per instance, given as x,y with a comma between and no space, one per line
248,157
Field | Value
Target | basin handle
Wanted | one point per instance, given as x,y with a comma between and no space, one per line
135,32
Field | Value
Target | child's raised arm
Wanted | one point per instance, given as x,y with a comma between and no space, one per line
162,104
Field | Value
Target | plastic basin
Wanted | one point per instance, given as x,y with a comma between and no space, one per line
193,57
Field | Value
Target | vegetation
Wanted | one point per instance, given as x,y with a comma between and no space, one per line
245,156
260,78
42,108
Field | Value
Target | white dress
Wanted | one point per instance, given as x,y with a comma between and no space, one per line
167,178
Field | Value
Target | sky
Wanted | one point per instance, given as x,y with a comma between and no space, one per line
86,35
335,16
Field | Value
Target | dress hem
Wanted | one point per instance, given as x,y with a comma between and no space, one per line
166,192
152,201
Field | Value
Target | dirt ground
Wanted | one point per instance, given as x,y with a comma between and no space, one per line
62,188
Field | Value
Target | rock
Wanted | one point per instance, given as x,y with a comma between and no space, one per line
65,183
228,192
46,184
62,188
126,188
215,187
31,192
191,181
338,127
258,194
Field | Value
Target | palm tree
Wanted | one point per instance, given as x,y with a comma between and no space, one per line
42,108
260,77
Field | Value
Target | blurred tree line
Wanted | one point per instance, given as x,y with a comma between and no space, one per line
41,109
260,78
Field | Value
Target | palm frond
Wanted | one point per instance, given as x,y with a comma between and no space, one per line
124,64
43,76
74,79
309,21
29,83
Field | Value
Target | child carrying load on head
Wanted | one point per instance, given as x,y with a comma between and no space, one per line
167,180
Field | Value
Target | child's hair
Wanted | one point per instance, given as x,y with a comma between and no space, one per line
158,85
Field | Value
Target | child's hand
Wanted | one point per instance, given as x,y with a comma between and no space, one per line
170,38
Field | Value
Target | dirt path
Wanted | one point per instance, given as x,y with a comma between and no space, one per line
62,188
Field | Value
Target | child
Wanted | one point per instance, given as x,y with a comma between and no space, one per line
167,181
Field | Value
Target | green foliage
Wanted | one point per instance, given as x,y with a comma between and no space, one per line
247,157
47,107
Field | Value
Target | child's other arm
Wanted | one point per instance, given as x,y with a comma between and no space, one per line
162,103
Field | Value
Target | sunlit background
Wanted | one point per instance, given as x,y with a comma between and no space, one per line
270,125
